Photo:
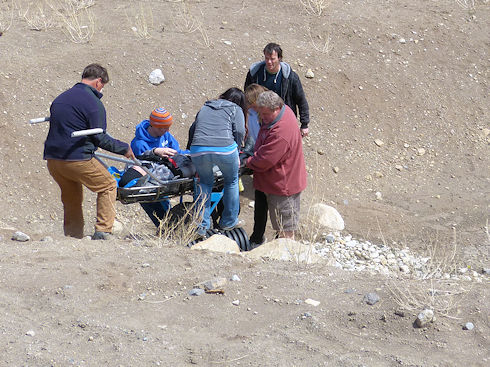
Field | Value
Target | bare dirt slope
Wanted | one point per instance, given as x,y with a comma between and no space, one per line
399,106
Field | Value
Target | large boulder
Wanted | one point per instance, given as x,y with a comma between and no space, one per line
284,249
218,243
326,216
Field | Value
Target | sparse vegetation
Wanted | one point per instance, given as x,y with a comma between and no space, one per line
179,226
443,297
315,7
78,22
468,5
184,21
39,17
320,42
6,16
140,20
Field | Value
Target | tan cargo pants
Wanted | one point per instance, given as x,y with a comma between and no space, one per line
70,176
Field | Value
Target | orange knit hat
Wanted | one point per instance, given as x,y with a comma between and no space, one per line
161,118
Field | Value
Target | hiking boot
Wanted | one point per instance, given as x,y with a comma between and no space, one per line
102,236
239,224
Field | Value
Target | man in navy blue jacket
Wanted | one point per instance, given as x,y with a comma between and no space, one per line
71,161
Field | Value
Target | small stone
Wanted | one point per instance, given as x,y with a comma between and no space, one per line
320,152
312,302
145,265
468,326
399,167
236,302
402,40
330,238
420,151
227,43
209,285
424,318
335,169
47,239
379,196
309,74
306,315
400,313
30,333
235,278
378,174
378,142
251,204
20,237
371,298
156,77
196,292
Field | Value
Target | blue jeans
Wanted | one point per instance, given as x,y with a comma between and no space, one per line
228,165
156,211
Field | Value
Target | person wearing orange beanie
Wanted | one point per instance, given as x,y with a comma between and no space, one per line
152,137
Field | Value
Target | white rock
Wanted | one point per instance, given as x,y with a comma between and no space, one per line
326,216
424,318
236,302
156,77
218,243
117,227
235,278
312,302
309,74
284,249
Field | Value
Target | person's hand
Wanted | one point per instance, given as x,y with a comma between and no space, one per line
165,152
129,154
304,132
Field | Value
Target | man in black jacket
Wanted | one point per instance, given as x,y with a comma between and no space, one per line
276,75
71,161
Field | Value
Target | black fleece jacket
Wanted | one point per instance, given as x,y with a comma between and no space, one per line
291,89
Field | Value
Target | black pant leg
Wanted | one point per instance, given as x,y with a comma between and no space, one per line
156,211
261,210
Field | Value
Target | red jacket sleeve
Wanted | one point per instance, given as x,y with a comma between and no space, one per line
268,154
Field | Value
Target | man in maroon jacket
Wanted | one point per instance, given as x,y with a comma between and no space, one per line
278,164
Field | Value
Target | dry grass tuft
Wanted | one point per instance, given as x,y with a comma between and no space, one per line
442,259
140,20
185,22
40,17
179,226
442,297
315,7
309,229
6,16
76,18
320,42
468,5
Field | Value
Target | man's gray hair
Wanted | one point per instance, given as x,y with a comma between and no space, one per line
269,100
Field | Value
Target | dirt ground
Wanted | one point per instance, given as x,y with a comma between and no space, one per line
399,145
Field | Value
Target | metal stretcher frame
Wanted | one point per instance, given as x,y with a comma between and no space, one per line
165,190
146,194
